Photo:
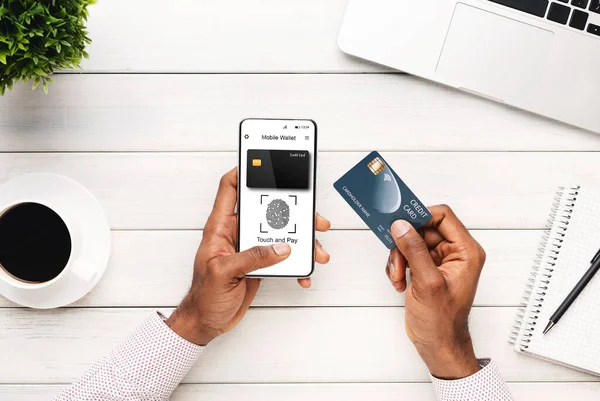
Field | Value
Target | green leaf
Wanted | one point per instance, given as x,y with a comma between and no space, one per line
38,9
40,36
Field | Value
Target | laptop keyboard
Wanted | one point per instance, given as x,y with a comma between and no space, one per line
575,13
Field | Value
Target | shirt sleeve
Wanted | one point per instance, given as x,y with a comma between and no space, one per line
149,365
485,385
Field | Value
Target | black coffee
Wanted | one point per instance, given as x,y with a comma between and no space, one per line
35,244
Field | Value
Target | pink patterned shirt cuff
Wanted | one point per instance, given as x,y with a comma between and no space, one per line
149,365
485,385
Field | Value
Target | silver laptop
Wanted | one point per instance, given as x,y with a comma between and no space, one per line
538,55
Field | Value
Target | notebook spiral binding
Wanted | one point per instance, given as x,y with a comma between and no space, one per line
543,266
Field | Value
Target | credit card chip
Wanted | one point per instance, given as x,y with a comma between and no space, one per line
376,166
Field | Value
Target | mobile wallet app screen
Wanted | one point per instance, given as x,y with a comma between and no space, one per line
276,189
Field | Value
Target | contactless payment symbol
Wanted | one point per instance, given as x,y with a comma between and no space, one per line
386,195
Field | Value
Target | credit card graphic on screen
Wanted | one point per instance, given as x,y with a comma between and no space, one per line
278,169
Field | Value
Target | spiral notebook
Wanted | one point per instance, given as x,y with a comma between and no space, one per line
563,257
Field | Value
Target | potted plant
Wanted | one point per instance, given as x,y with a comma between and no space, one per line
38,37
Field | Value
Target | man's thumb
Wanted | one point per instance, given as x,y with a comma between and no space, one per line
255,258
416,252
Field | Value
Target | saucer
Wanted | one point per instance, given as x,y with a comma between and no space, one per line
71,200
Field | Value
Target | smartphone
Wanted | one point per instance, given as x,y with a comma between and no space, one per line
276,191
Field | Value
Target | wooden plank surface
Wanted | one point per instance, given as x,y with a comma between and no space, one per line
160,265
176,190
152,147
386,112
218,36
271,345
580,391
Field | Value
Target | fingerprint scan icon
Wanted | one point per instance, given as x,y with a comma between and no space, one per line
278,214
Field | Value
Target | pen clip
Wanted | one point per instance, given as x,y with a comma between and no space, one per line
596,258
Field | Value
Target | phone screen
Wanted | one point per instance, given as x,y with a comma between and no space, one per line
277,169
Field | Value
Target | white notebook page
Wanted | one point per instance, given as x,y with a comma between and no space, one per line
575,340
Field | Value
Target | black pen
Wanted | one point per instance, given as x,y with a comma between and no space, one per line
587,277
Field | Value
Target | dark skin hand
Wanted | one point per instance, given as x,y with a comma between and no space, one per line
220,294
445,264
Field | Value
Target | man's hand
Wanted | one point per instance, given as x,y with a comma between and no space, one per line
220,294
445,263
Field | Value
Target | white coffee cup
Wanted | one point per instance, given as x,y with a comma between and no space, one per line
88,229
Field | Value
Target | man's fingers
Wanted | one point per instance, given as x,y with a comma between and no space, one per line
445,221
321,223
432,237
397,270
321,255
227,194
255,258
435,242
415,250
252,286
304,282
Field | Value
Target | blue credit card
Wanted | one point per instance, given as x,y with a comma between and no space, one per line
380,197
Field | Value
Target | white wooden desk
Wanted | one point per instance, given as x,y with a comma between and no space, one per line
152,123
